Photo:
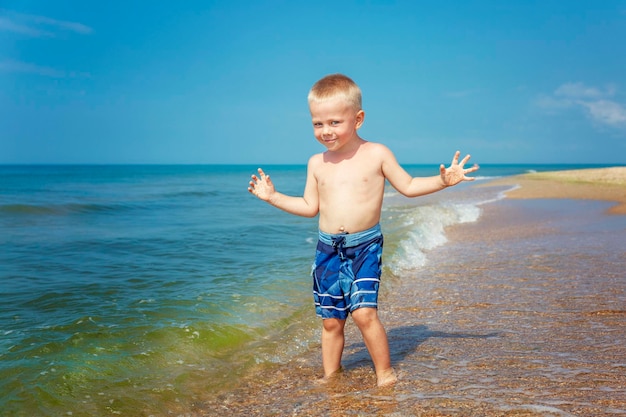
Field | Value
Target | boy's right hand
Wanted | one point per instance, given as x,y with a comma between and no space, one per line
262,186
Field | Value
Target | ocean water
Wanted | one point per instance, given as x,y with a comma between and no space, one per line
135,289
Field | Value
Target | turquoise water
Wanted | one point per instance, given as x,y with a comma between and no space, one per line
130,289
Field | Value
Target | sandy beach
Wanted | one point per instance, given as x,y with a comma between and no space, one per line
519,314
606,184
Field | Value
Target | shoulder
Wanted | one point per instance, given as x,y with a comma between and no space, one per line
316,159
383,156
377,149
315,162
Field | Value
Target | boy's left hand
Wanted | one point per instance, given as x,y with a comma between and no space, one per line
455,173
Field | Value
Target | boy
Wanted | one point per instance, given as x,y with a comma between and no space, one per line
345,187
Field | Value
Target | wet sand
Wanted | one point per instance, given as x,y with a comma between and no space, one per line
520,314
607,184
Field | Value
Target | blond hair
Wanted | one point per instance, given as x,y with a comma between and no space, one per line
336,85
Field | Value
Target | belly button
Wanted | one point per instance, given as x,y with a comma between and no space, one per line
342,229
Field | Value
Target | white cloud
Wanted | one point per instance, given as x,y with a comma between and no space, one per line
25,67
578,90
38,26
8,25
17,66
598,103
605,111
61,24
552,103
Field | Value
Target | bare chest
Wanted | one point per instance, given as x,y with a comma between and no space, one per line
348,178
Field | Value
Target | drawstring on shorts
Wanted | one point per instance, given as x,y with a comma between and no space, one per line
338,243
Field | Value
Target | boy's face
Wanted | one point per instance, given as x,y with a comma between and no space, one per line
335,122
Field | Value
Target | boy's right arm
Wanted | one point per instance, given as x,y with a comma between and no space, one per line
306,206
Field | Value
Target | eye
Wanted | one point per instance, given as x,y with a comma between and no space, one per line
335,122
317,124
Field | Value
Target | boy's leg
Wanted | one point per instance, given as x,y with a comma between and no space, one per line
375,339
332,345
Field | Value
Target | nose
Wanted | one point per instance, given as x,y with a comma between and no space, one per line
326,130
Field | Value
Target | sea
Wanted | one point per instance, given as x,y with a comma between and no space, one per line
135,289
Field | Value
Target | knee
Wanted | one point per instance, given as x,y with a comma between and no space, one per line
364,317
333,325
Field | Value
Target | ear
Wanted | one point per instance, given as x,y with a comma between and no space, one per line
360,117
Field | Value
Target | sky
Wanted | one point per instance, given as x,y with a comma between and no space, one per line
226,81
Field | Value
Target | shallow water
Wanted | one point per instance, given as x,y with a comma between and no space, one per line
521,314
162,290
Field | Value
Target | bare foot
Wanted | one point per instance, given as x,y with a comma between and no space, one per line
329,377
386,378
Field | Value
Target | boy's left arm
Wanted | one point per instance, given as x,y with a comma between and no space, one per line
417,186
456,172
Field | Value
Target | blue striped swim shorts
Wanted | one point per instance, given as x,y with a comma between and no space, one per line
346,272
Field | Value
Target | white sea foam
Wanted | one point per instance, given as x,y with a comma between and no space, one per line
545,410
486,177
500,196
422,228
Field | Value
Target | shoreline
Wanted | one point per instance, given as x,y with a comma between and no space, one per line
506,319
604,184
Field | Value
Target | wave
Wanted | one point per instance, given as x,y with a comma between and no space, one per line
501,195
64,209
420,229
413,230
190,194
487,177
